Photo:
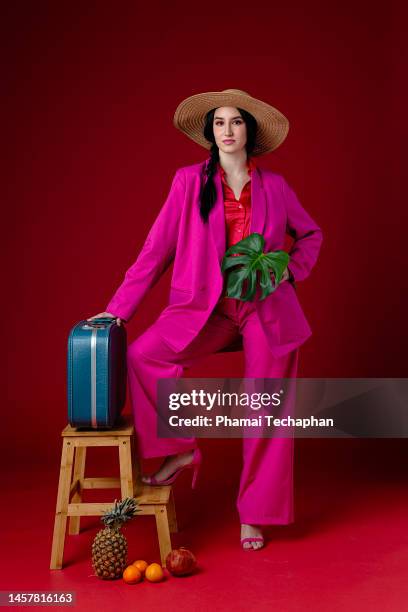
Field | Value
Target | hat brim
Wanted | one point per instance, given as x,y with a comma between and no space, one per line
190,114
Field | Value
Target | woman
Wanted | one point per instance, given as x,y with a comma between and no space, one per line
212,205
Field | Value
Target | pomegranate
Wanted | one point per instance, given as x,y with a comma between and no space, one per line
181,561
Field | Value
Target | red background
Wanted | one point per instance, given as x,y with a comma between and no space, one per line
91,89
92,92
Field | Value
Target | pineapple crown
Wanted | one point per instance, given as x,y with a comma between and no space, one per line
122,512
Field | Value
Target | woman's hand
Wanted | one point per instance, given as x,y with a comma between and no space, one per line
106,314
285,276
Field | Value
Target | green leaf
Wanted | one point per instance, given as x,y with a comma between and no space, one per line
245,259
266,281
235,281
234,260
253,243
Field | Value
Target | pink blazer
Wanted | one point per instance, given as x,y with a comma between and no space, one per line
179,235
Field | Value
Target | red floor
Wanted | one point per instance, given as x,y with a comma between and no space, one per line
348,548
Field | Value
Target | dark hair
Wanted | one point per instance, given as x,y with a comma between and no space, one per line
208,193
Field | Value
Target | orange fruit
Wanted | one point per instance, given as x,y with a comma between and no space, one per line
141,565
154,572
132,575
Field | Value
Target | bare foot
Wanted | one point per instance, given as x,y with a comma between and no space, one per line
251,531
170,465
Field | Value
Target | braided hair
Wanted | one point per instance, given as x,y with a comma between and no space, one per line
208,193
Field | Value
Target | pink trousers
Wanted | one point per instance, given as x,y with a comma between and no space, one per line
265,494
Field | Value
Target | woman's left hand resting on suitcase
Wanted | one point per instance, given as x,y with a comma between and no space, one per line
106,314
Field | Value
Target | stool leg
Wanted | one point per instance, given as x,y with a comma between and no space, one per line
171,511
163,533
137,482
126,472
79,474
64,486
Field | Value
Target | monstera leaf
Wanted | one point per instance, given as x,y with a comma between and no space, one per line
251,260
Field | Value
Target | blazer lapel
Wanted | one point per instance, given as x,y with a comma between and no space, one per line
217,218
258,202
217,215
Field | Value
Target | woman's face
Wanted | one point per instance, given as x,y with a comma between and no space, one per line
229,129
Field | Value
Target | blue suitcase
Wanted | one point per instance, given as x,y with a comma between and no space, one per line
96,373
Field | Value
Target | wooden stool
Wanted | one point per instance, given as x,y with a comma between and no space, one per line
157,501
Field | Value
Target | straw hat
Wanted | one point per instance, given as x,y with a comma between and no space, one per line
272,124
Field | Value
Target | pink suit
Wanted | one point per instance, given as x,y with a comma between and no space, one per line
199,321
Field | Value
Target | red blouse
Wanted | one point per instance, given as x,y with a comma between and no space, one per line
237,212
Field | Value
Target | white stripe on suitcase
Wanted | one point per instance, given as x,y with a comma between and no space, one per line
93,377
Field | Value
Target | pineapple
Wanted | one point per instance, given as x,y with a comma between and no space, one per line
109,548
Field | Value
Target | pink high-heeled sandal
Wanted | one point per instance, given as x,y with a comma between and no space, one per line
257,539
194,464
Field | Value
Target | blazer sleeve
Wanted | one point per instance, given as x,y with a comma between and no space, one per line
155,256
306,233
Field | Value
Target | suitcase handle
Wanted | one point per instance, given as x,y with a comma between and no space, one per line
100,322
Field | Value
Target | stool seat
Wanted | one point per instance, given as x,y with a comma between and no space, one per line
157,501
